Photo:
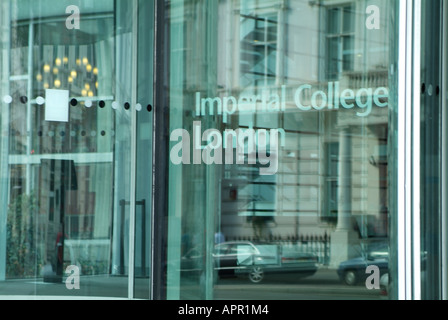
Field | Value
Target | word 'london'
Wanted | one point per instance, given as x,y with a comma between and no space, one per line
238,139
253,144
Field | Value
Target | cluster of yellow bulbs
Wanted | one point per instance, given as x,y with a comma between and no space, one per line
82,64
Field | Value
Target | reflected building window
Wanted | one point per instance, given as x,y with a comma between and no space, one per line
258,49
330,211
340,39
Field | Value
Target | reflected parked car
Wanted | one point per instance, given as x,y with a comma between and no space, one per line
258,259
353,271
384,284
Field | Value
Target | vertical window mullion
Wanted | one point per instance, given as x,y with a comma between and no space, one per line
416,151
402,156
444,171
133,179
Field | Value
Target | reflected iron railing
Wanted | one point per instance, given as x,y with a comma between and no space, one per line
371,79
319,245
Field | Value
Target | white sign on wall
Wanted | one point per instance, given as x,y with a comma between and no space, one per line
56,105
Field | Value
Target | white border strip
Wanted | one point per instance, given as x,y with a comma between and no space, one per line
59,298
79,158
407,163
409,148
401,150
414,133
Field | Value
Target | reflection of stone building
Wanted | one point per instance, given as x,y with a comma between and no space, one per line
333,165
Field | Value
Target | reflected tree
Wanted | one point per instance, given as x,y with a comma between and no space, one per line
21,250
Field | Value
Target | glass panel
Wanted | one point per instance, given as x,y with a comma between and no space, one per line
17,129
348,19
431,154
333,58
68,98
348,55
144,147
294,165
334,20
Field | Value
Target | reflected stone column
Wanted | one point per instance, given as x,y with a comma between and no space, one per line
345,179
280,76
344,238
5,49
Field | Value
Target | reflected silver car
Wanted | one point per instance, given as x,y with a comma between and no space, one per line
258,259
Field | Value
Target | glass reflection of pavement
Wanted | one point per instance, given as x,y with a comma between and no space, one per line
324,285
90,286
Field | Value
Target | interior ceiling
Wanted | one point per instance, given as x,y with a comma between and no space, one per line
38,9
53,31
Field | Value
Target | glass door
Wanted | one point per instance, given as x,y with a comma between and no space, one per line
76,129
282,149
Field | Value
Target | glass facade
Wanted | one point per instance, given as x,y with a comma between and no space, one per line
69,154
280,141
223,150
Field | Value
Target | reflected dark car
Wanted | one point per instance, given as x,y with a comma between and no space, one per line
353,271
258,259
